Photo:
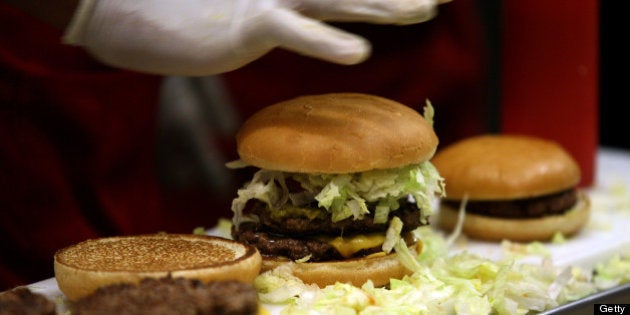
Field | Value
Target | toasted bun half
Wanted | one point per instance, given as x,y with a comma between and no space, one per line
335,133
380,269
82,268
524,230
500,167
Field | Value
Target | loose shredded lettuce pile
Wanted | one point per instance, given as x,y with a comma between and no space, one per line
461,283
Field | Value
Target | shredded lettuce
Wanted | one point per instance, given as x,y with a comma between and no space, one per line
429,112
347,195
278,286
392,236
613,272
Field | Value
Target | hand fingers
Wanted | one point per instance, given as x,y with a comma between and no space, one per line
309,37
372,11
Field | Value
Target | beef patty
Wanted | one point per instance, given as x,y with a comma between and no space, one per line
298,237
537,207
408,213
170,296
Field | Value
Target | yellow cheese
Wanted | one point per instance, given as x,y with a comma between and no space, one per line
347,246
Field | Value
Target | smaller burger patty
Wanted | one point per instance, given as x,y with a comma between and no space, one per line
553,204
296,238
171,296
22,301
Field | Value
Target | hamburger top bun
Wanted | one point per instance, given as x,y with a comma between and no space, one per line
82,268
335,133
501,167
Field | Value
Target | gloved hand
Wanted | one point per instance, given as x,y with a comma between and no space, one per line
203,37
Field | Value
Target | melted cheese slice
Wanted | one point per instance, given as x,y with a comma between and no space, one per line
347,246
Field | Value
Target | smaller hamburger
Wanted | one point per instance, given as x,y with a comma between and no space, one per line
516,187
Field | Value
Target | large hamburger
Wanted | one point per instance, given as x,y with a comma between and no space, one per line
343,179
517,187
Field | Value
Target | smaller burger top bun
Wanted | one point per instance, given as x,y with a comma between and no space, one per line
505,167
335,133
82,268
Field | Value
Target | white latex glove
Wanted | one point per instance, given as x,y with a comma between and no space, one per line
203,37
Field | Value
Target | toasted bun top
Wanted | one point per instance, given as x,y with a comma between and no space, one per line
82,268
499,167
336,133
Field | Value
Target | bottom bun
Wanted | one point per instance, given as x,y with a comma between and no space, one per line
82,268
523,230
380,269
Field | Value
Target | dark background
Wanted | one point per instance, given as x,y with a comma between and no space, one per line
613,73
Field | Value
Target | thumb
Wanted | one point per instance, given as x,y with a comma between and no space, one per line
289,30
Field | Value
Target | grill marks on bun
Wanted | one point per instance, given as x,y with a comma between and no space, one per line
518,187
82,268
